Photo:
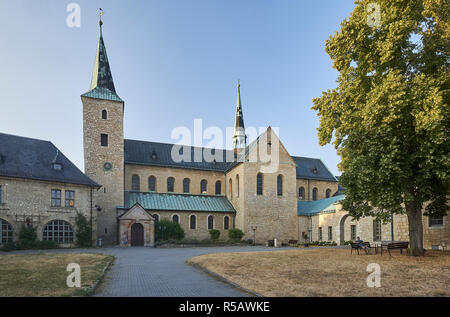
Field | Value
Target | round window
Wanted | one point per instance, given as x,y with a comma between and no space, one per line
107,166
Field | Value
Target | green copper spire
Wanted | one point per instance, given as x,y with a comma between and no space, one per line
102,84
239,122
239,137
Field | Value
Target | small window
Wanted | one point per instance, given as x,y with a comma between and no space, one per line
330,233
301,193
156,217
436,221
230,181
218,188
192,222
104,139
259,184
320,233
210,222
170,184
70,198
6,232
104,114
57,166
376,230
237,185
135,183
353,232
152,184
176,219
186,185
280,185
59,231
226,223
314,194
328,193
203,186
56,198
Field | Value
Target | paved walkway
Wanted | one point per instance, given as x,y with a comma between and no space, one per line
157,272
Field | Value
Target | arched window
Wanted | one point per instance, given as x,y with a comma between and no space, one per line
280,185
203,186
59,231
135,183
314,194
104,114
156,217
301,193
170,184
237,185
6,232
226,223
210,222
259,184
176,219
192,222
231,187
328,193
152,184
218,187
186,185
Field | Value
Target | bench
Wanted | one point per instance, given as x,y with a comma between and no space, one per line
393,246
293,242
355,246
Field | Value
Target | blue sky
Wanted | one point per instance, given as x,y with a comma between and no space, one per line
172,61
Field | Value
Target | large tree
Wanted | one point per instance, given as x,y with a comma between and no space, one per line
388,117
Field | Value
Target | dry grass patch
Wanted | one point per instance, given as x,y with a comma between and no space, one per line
331,272
46,274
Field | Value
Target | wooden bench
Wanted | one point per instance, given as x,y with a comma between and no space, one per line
292,242
357,247
394,245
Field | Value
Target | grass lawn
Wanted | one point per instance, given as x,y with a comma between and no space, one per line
331,272
45,274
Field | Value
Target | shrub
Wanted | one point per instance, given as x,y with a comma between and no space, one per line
10,246
166,229
214,233
83,235
27,238
46,244
235,235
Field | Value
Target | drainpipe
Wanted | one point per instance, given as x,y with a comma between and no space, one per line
392,227
92,229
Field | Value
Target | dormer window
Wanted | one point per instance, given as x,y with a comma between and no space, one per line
154,156
214,162
57,166
314,170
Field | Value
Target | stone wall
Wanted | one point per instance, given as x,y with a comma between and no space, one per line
111,194
24,198
322,186
201,231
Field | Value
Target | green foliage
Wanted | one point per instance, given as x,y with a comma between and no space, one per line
214,233
166,230
83,235
235,235
389,115
323,243
27,238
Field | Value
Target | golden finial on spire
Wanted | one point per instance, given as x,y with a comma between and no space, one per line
100,16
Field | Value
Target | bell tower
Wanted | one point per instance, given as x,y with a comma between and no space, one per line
103,112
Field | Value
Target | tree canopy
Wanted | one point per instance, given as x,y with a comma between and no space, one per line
388,117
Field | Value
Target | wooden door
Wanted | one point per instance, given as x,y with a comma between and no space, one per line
137,235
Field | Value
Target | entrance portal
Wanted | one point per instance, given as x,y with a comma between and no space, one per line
137,235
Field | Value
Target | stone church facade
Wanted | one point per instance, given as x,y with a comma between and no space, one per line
130,185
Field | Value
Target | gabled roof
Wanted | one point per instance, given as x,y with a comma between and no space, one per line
311,168
32,159
314,207
178,202
160,154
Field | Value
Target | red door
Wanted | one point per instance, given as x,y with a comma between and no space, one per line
137,235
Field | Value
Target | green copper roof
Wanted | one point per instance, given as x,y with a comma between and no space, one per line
178,202
102,84
314,207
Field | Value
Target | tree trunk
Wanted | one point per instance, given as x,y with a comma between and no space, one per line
414,213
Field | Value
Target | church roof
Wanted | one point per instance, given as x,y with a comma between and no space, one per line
34,159
102,84
314,207
160,154
178,202
311,168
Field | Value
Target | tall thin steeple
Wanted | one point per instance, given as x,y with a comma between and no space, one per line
102,84
239,138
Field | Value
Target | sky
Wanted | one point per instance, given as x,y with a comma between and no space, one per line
172,61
